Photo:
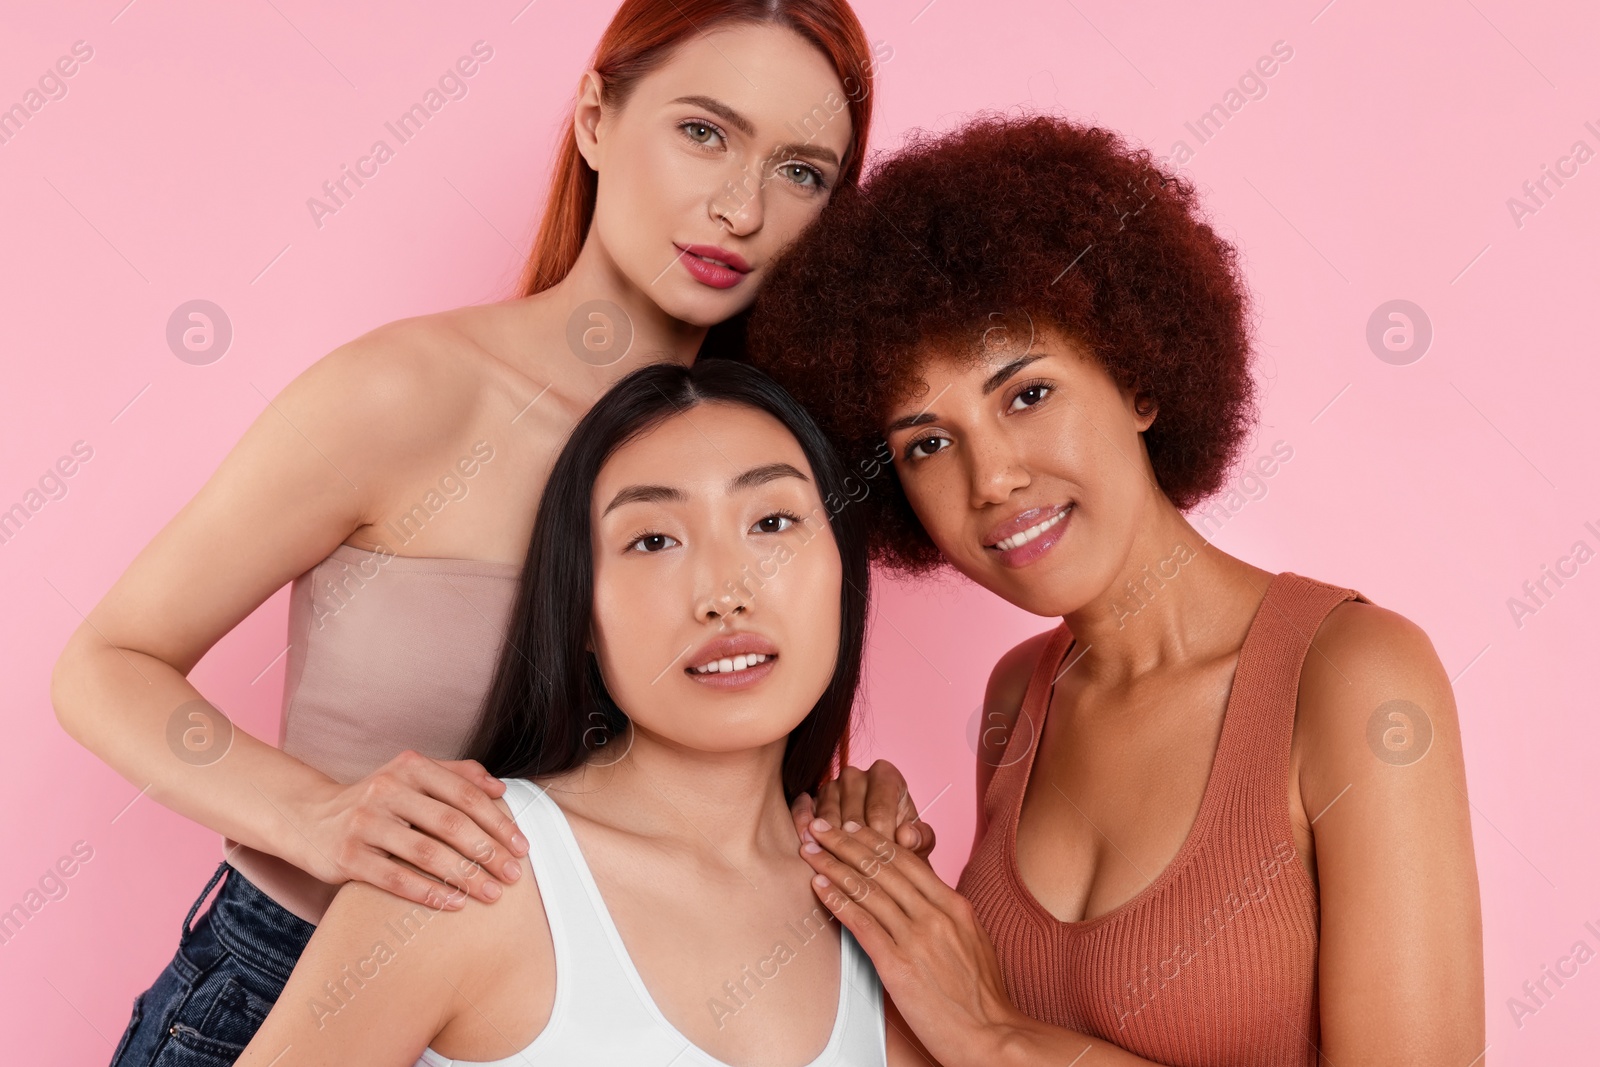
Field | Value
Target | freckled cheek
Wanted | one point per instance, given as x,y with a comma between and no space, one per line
940,503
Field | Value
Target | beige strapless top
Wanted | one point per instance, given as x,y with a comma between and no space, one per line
386,653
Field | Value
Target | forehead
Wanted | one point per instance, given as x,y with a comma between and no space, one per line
701,448
967,362
762,69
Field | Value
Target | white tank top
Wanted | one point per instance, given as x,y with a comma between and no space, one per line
603,1014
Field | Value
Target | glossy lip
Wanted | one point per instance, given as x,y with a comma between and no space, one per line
1023,555
1019,522
733,259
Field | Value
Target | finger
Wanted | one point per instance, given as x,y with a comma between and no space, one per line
463,846
828,798
477,774
917,836
852,796
420,846
900,871
874,865
804,809
387,873
862,891
887,803
445,785
868,932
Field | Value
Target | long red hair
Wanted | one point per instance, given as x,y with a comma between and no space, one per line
642,36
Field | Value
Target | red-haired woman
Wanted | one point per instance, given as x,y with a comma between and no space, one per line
1222,811
395,481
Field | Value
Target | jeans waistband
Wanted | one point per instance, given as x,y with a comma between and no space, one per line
252,923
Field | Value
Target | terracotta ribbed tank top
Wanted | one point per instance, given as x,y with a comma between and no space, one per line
1214,963
386,653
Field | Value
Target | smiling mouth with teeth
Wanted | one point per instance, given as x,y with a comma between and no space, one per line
1018,540
729,665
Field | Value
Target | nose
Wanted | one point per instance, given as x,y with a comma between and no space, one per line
724,604
741,203
995,471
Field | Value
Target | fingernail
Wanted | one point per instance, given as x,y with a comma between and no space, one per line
822,881
852,826
491,890
805,835
820,826
812,847
512,870
519,842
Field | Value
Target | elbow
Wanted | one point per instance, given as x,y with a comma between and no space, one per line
66,682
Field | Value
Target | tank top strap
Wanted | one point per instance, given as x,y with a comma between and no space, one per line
591,980
1011,771
1253,753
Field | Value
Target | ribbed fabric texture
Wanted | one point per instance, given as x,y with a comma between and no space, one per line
1214,963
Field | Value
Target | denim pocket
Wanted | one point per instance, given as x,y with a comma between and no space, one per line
188,1047
235,1013
214,1025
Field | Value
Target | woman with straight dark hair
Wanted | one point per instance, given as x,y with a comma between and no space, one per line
682,659
394,484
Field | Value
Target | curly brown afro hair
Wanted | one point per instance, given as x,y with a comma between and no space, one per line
1034,215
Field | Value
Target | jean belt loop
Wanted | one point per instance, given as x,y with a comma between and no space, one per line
222,869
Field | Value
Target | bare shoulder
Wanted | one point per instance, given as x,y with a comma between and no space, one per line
1002,704
1372,685
405,380
1008,681
1363,650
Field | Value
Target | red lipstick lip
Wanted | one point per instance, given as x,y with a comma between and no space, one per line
733,259
1021,521
729,645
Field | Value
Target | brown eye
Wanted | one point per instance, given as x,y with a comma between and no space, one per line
1030,396
776,523
651,543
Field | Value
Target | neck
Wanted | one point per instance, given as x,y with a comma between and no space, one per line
1174,599
729,804
657,337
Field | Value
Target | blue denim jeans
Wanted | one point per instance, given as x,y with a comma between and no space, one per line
229,969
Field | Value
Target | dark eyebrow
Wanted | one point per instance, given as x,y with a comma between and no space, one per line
762,475
1003,375
990,384
635,494
722,111
745,126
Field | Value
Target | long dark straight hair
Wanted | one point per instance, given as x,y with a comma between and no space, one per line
547,710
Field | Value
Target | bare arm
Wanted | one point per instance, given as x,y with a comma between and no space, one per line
404,976
314,466
1401,954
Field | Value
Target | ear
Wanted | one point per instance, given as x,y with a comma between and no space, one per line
587,115
1145,410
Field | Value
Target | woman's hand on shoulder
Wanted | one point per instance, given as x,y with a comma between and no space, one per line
1383,784
424,829
875,797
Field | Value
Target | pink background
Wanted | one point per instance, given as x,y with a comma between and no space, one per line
1376,167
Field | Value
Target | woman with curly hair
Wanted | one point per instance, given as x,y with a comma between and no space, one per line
1222,811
